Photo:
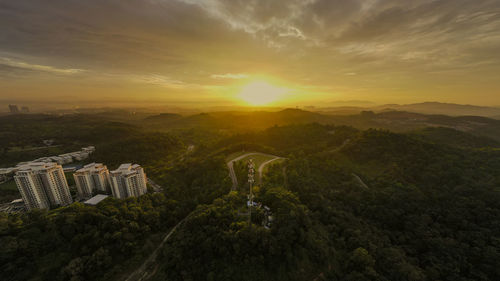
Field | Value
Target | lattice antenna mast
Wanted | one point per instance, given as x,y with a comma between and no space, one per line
251,180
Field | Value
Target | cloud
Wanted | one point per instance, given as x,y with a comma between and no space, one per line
159,80
186,43
37,67
229,76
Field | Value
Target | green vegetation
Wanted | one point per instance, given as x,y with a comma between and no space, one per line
430,209
105,242
431,212
227,249
455,138
9,192
81,242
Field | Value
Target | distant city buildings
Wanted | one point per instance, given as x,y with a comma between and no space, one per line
42,185
90,178
13,109
128,180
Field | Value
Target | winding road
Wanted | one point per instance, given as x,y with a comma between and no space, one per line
261,168
232,174
149,267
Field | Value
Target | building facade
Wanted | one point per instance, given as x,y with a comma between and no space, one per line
43,185
92,177
128,180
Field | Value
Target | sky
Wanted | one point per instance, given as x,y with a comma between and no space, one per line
217,52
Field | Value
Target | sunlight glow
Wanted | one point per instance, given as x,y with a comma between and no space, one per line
260,93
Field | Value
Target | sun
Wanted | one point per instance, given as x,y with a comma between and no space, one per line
259,93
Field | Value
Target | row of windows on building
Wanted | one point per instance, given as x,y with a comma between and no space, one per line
126,181
44,185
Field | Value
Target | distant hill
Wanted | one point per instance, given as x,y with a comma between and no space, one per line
424,108
402,121
455,138
163,117
236,120
443,108
398,121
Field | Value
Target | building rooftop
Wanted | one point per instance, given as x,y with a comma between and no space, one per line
126,169
92,167
36,166
124,166
96,199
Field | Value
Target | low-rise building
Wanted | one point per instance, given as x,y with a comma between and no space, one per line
128,180
96,199
88,149
79,156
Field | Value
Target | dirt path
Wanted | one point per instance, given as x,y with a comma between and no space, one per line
360,181
149,267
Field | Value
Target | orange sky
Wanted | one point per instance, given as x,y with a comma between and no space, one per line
207,52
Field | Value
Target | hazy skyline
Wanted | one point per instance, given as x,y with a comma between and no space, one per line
214,52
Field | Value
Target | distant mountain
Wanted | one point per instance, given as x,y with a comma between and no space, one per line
398,121
443,108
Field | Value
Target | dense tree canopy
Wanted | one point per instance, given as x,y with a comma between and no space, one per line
346,205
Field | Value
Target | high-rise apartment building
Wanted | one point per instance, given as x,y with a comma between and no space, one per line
128,180
43,185
13,108
94,176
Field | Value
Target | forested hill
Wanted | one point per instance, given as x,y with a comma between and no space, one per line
368,205
346,204
398,121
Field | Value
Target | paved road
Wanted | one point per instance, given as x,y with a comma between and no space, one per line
230,166
261,168
149,267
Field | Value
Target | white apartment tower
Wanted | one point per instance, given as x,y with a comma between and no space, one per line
43,185
93,176
128,180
